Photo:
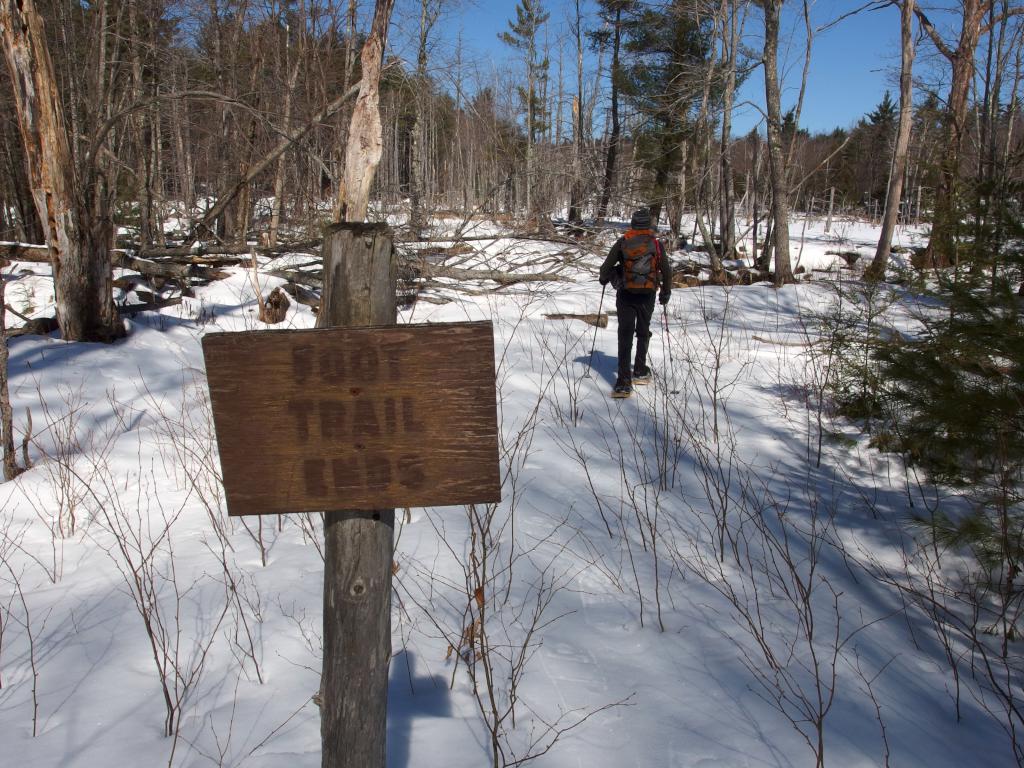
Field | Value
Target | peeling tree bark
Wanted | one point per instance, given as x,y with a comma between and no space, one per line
365,144
74,213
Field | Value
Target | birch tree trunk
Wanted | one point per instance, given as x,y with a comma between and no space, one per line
776,157
365,145
79,239
876,271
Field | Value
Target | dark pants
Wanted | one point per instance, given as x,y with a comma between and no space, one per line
635,312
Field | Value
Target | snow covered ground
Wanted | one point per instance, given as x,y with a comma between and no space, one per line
673,572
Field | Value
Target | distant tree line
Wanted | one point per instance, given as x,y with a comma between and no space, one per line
228,119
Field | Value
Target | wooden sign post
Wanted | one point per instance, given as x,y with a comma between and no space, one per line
356,420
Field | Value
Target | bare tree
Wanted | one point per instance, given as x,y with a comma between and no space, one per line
292,63
430,11
899,157
730,48
777,167
615,9
73,208
6,415
576,192
523,36
942,245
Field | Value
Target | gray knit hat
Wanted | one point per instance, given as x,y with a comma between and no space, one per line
641,219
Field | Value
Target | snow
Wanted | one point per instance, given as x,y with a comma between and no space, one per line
607,521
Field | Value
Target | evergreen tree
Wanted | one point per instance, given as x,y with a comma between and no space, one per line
665,48
884,115
870,153
611,14
956,400
522,35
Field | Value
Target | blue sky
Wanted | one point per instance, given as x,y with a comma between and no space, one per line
852,65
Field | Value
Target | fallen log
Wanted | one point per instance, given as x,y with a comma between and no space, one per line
779,343
188,251
37,254
222,252
598,321
143,266
197,269
432,299
502,278
307,279
40,326
130,310
302,295
180,266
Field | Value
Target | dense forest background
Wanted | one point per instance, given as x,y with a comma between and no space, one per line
181,105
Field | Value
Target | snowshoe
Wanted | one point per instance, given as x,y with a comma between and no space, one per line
642,375
622,388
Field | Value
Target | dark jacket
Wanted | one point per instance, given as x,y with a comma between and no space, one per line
613,266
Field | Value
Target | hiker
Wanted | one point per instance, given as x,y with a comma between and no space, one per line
636,266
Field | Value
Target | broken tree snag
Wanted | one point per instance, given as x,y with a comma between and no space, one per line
365,144
274,308
358,260
72,211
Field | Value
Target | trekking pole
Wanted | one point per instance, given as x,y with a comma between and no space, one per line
668,336
597,324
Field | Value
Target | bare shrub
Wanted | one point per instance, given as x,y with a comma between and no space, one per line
16,611
136,533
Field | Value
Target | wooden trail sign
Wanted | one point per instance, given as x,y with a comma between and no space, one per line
355,418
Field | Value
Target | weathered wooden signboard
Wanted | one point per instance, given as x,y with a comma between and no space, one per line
355,418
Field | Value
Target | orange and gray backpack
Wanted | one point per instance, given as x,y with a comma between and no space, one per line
641,260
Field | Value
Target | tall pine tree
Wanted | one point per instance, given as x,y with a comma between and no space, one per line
665,49
523,34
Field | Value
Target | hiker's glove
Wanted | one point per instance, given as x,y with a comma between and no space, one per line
605,280
663,298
